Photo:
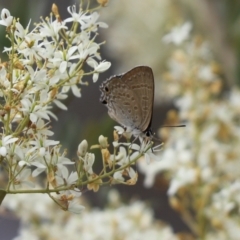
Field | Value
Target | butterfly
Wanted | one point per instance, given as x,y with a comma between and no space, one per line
129,98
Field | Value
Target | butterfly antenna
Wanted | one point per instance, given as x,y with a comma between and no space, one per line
183,125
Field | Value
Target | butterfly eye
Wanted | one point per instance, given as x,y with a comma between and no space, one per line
148,132
104,102
106,89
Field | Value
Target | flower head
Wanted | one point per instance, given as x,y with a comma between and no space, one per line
6,18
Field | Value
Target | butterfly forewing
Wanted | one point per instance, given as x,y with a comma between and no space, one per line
129,98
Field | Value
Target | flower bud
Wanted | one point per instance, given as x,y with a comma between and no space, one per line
115,136
103,3
82,148
103,141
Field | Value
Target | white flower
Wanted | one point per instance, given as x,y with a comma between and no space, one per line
72,84
75,207
51,28
64,178
120,130
82,148
39,168
88,162
150,171
62,59
20,32
183,177
6,140
148,154
47,50
31,46
4,80
51,157
36,111
169,160
77,17
41,142
88,49
205,73
227,198
22,179
39,78
98,67
123,159
118,176
23,155
178,34
42,128
103,141
92,24
6,18
3,151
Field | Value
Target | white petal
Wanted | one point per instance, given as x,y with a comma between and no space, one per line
6,18
135,146
95,77
118,176
39,165
119,129
75,207
37,171
43,114
63,67
23,163
3,151
134,155
64,172
72,50
42,151
51,142
82,148
92,63
33,117
76,91
102,25
12,140
60,104
147,158
103,66
73,177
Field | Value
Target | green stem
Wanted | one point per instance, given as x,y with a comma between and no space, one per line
38,190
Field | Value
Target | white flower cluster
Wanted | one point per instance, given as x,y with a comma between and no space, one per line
202,160
43,65
117,167
134,221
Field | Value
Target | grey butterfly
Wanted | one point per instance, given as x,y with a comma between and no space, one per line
129,98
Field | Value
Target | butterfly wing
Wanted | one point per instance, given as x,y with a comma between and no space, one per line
141,81
129,98
119,98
